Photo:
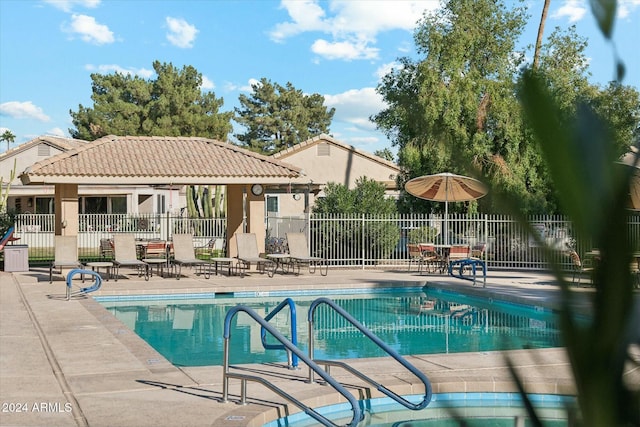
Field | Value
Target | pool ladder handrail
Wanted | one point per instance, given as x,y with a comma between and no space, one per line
226,375
391,352
292,358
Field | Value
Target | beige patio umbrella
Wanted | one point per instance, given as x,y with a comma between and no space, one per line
446,187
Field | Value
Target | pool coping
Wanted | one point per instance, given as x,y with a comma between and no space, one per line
77,352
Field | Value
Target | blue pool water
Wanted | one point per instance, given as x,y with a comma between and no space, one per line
474,409
187,329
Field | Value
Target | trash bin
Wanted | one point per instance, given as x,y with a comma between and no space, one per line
16,258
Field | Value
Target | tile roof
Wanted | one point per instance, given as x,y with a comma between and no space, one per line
159,160
59,142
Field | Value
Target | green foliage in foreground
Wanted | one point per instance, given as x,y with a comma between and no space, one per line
593,191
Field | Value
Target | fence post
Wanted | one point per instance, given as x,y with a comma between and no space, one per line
362,255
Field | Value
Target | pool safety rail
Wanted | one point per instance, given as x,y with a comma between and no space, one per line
314,365
381,344
97,282
244,378
293,359
473,264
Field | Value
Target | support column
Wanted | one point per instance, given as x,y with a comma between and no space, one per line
66,210
235,216
255,218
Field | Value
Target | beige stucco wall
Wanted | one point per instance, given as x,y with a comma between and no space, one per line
24,159
323,162
341,165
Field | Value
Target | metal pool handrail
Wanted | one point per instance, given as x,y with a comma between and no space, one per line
391,352
226,375
77,271
293,359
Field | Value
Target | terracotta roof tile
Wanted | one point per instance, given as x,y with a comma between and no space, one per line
144,159
59,142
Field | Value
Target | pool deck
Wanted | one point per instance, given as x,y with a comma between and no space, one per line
72,363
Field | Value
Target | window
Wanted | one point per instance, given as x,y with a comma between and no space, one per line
272,205
161,206
118,204
103,204
44,205
94,205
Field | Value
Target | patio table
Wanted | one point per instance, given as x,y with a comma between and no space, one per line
222,261
281,260
97,265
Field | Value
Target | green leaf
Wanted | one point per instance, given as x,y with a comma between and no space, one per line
605,13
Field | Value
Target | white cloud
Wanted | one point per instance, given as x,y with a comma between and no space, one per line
23,110
343,50
110,68
249,86
572,9
181,33
385,69
207,84
306,15
67,5
355,106
89,30
625,8
353,25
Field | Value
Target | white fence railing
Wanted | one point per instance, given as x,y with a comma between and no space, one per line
361,241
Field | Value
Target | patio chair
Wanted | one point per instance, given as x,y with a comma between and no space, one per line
185,254
415,256
579,267
248,253
65,255
299,254
212,249
126,255
155,254
106,248
431,259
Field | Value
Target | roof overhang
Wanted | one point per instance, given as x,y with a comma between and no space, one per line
155,160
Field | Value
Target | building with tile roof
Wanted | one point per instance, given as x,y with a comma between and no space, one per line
117,161
325,159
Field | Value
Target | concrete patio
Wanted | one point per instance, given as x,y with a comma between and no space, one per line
72,363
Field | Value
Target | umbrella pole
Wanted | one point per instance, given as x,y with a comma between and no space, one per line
446,211
446,222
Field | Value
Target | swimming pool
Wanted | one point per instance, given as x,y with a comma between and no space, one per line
187,329
476,409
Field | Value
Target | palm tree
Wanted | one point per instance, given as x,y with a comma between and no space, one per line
8,136
543,18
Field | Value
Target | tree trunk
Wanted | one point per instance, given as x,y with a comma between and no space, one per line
543,18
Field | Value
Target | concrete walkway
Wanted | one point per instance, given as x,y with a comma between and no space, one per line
72,363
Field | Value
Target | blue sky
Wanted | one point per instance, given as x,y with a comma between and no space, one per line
339,49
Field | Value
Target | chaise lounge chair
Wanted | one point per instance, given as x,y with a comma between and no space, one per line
126,255
248,253
299,254
65,254
185,254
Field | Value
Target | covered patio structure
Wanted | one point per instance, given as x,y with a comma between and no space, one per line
165,160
